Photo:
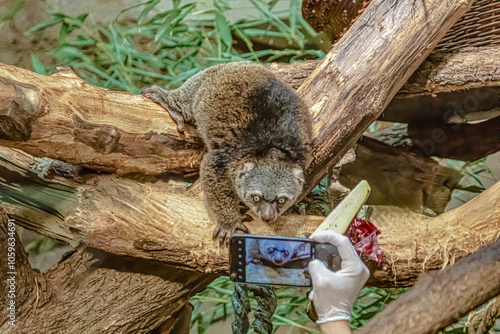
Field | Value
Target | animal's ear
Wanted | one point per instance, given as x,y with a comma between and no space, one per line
275,154
245,169
248,166
299,174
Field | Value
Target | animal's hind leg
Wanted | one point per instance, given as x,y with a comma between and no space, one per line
159,95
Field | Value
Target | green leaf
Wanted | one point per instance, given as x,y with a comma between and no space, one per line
44,25
67,52
261,32
80,18
63,33
223,29
13,10
472,189
150,5
37,65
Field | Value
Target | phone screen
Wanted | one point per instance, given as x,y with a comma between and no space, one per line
277,260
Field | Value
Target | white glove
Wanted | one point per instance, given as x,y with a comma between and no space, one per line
334,293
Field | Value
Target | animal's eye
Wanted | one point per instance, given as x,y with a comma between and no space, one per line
281,200
256,199
286,253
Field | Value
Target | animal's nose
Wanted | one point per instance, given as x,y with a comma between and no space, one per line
267,218
278,261
267,213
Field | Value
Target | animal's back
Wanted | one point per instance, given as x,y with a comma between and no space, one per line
246,107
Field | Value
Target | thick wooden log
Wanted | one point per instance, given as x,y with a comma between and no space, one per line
363,72
64,118
137,118
444,86
80,294
149,221
442,297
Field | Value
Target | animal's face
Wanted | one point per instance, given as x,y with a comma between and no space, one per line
277,252
269,189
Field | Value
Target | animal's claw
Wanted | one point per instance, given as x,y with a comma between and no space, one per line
245,218
242,227
223,235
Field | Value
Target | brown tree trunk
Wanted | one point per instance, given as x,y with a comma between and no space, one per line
441,298
150,221
81,295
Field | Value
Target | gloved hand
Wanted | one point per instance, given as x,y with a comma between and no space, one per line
334,293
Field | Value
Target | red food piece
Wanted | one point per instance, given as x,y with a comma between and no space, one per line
363,236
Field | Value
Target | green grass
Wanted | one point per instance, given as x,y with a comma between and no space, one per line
167,47
214,304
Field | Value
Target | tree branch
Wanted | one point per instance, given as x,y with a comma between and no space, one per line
64,118
123,139
150,221
149,293
442,297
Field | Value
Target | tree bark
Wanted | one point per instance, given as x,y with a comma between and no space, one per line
445,85
149,221
441,298
62,96
362,73
64,118
80,294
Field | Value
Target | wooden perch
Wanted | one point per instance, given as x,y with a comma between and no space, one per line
95,128
149,221
63,95
439,73
63,117
442,297
445,85
80,295
172,232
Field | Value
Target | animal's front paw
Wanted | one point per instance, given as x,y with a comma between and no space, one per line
296,209
223,234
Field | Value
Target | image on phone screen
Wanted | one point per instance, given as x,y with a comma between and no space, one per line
277,260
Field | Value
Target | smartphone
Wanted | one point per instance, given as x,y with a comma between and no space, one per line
260,259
